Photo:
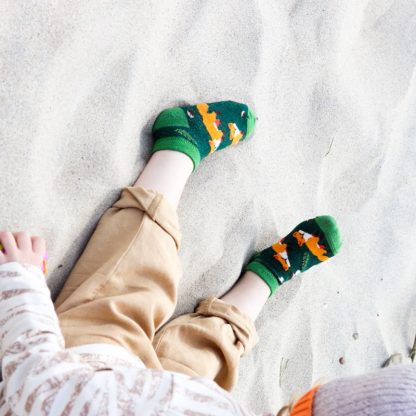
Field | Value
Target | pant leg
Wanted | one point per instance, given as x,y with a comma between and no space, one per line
207,343
124,286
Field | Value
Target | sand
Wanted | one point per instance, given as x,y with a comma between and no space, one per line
334,86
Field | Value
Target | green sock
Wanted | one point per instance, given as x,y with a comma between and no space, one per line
201,129
310,243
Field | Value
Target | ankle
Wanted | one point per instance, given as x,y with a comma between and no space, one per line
166,172
249,294
173,158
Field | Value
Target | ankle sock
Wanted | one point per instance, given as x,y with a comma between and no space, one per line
202,129
308,244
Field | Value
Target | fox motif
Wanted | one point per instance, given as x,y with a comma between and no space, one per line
312,242
235,133
281,255
211,123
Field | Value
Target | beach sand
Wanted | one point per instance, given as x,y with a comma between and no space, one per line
333,84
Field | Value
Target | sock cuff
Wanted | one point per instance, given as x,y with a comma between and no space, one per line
180,145
265,274
304,406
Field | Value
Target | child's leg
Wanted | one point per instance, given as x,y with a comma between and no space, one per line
123,287
211,341
208,342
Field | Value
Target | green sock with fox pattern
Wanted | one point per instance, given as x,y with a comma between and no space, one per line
201,129
308,244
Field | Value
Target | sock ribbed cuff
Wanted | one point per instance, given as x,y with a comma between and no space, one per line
180,145
304,406
265,274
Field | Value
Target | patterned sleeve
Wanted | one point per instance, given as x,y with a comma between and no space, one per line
41,377
29,335
26,310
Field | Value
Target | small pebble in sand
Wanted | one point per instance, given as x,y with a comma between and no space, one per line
412,354
393,360
342,360
355,335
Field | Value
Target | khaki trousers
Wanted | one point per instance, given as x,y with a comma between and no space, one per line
123,289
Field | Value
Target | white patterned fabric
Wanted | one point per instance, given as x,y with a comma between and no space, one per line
41,377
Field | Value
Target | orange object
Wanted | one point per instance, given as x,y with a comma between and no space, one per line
303,407
312,242
45,267
281,255
235,134
211,123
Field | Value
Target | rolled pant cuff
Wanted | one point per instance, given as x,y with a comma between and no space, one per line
243,327
156,207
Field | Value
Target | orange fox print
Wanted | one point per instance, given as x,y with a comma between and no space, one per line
312,242
281,255
211,123
235,134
